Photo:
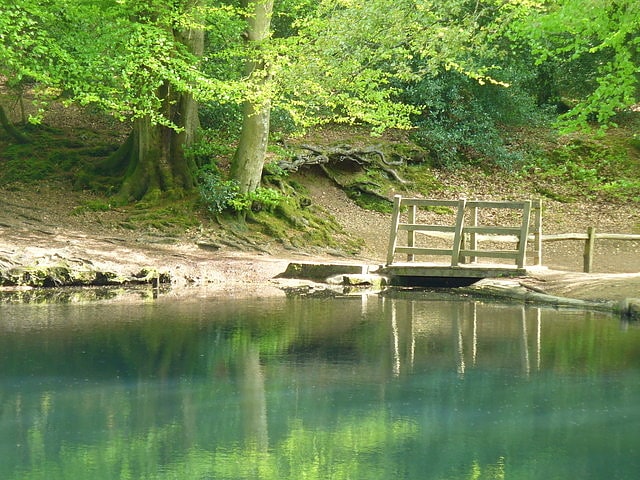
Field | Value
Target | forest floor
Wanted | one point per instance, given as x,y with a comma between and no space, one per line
46,225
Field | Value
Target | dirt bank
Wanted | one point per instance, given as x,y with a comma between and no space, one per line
44,227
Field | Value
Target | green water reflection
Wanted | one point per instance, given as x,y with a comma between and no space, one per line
406,387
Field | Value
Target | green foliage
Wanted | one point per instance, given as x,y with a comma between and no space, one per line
208,148
216,193
341,62
349,63
327,61
588,167
258,199
116,55
622,190
598,46
462,115
272,171
224,117
458,70
220,195
281,123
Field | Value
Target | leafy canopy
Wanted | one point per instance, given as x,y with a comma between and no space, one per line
600,39
115,54
332,60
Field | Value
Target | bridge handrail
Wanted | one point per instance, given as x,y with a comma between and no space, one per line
458,252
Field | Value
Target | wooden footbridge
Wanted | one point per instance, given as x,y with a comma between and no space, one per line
482,239
503,237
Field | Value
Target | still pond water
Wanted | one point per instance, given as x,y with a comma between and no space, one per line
403,386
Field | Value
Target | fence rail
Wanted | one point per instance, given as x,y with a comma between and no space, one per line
589,239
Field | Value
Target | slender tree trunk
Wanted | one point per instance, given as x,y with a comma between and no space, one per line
186,112
249,158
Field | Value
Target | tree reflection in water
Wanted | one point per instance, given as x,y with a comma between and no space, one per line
409,385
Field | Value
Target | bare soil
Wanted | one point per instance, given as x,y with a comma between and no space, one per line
43,226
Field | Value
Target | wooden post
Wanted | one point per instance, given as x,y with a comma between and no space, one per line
537,232
521,261
474,237
457,236
393,236
588,249
411,234
461,257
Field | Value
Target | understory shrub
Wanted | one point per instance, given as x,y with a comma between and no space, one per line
221,195
216,193
462,119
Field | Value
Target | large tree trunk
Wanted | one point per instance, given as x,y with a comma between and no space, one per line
154,155
249,158
149,169
16,134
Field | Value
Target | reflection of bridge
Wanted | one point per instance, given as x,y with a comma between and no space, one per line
469,328
503,235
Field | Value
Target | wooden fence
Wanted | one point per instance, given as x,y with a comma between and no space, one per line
589,239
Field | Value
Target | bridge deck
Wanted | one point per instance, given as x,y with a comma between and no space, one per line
475,270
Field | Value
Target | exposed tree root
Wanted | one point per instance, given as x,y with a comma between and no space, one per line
342,154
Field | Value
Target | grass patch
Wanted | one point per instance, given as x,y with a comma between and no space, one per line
98,205
588,167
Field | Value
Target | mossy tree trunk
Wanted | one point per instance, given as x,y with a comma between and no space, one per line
153,157
249,157
155,154
10,128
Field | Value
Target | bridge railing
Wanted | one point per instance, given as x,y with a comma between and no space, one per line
466,233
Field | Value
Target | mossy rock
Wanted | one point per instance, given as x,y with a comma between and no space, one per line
67,276
320,271
151,276
630,308
36,277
